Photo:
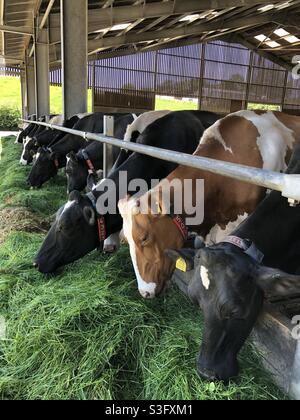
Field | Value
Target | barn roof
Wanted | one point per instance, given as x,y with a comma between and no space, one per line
271,27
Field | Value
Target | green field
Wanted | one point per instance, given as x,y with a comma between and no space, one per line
87,333
10,95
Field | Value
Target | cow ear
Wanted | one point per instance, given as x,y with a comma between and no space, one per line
93,180
276,282
89,215
184,259
73,156
199,242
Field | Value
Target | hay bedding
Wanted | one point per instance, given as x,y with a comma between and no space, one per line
87,334
20,220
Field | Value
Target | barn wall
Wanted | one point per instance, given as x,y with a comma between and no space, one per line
223,77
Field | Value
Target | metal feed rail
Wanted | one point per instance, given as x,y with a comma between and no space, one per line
288,185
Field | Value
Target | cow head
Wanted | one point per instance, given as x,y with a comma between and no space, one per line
45,167
72,235
77,172
229,286
29,150
149,234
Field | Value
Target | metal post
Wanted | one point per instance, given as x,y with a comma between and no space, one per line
41,55
30,101
201,76
155,79
284,91
23,93
74,38
94,86
108,129
249,75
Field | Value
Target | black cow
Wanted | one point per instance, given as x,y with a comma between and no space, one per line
90,159
75,232
44,139
31,129
25,131
229,281
46,165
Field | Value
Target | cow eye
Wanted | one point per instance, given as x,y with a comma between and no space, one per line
145,240
230,312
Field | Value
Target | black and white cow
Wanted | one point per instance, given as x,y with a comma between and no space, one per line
32,143
79,228
49,161
46,138
22,133
90,159
230,279
28,131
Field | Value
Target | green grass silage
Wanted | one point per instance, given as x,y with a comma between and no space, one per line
87,334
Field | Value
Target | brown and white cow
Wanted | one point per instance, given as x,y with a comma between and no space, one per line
254,138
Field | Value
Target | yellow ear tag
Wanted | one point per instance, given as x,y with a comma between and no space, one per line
181,265
159,209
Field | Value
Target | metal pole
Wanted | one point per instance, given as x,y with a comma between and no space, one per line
30,86
288,185
23,93
108,130
201,76
41,55
47,13
74,38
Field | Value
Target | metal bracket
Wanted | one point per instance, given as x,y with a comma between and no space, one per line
291,189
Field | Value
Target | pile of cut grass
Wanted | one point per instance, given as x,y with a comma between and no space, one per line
87,334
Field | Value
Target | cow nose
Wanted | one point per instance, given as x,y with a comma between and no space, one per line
146,294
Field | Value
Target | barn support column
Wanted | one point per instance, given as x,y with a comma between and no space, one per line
41,54
23,93
74,37
30,97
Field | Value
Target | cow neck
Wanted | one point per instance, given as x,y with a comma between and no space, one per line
179,223
59,163
101,225
89,163
247,246
180,220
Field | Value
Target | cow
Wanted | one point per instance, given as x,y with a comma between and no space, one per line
46,138
230,279
31,143
141,123
90,159
31,129
80,227
254,138
50,160
22,134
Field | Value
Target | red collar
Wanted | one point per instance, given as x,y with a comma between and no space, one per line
179,223
90,165
101,229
